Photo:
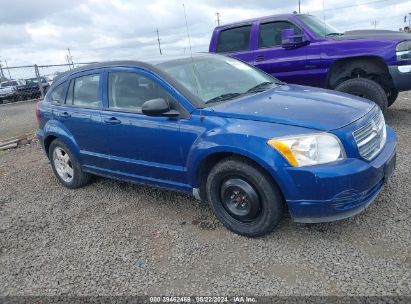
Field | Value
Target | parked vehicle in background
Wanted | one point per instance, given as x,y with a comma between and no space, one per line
9,91
222,130
302,49
31,88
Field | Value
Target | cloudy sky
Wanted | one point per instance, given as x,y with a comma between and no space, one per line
40,31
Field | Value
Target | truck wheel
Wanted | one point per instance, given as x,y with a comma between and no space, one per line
365,88
243,198
392,97
66,167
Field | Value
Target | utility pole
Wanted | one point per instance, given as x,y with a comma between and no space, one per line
299,6
2,75
1,72
7,66
159,44
218,18
374,23
70,58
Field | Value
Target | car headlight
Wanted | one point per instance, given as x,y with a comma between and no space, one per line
403,50
308,150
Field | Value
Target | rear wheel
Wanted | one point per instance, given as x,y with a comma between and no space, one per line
365,88
66,167
243,198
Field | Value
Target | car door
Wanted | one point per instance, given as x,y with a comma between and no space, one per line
288,65
81,117
146,148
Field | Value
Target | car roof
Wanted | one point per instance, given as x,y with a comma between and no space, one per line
149,64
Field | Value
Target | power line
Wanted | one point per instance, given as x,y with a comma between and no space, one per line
349,6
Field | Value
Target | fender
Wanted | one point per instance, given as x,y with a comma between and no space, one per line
55,128
240,141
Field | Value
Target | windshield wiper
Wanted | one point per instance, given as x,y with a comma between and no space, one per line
334,34
223,97
260,87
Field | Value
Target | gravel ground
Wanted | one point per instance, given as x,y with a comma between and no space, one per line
117,238
17,119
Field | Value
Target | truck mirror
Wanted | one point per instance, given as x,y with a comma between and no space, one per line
290,40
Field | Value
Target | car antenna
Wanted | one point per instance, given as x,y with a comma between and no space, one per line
188,33
325,24
191,51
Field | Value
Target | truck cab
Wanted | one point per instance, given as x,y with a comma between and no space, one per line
302,49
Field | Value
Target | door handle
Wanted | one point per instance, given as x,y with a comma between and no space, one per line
112,121
259,58
64,115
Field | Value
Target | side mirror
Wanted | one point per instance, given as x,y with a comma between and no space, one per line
290,40
158,107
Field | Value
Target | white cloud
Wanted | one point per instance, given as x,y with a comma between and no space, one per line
40,31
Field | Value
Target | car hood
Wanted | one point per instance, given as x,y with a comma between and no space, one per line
297,105
375,35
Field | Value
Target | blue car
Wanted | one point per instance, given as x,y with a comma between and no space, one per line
221,130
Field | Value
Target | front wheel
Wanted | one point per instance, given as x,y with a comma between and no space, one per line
244,198
365,88
66,167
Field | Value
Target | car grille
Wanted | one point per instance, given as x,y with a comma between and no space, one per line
371,138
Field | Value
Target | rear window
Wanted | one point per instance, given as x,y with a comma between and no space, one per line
83,91
57,96
234,39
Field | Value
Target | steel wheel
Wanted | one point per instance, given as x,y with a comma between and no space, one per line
63,165
240,199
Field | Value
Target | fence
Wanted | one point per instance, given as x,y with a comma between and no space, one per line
30,81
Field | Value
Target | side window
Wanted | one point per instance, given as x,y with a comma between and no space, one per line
270,33
57,96
128,91
83,91
234,39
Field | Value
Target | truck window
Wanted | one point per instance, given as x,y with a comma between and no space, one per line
234,39
270,33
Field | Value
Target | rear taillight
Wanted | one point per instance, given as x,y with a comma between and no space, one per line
38,112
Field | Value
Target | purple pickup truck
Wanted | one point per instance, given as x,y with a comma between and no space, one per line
302,49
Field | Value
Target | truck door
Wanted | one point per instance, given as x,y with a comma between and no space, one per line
288,65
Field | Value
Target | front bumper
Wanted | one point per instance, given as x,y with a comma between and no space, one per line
336,191
401,76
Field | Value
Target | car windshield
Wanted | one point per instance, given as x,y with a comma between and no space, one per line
31,80
319,27
9,84
217,78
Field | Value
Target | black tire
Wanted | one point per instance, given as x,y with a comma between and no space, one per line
258,207
392,97
78,177
365,88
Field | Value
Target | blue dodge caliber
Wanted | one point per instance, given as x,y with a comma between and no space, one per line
224,131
